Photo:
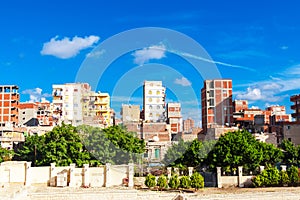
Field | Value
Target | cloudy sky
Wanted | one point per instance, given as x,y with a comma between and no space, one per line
254,43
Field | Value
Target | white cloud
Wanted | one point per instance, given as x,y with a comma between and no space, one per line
251,94
182,81
95,54
66,47
36,95
153,52
284,47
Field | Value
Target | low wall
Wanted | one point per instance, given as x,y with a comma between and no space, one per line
103,176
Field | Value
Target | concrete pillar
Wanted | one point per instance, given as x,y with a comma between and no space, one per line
240,180
261,168
86,175
72,175
219,174
176,170
107,175
52,175
169,172
190,170
27,173
283,167
130,175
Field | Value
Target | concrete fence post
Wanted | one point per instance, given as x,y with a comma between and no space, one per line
72,175
176,170
107,175
52,175
28,174
130,175
219,174
86,175
261,168
283,167
190,170
169,172
240,179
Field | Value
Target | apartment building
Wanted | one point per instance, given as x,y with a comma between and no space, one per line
188,125
217,106
9,102
295,99
174,117
130,113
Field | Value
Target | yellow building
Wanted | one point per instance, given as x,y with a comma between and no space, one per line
102,107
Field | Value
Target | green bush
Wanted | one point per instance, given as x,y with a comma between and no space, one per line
293,175
284,178
197,180
268,177
162,182
174,182
150,181
185,182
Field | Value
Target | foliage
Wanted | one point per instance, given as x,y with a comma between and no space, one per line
162,182
5,154
240,148
112,145
174,182
150,181
268,177
186,154
293,175
197,180
185,182
284,178
291,153
174,154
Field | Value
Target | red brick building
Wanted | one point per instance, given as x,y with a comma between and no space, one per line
296,107
217,106
9,102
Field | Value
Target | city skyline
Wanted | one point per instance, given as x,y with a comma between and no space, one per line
47,43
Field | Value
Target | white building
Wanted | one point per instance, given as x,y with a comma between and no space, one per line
154,101
67,106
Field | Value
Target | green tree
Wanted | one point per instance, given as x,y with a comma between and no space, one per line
185,182
293,173
150,181
174,154
113,144
5,154
291,153
284,178
240,148
162,182
268,177
174,182
197,181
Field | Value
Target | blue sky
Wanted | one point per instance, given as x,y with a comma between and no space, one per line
254,43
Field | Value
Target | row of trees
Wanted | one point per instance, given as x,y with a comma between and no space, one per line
67,144
233,149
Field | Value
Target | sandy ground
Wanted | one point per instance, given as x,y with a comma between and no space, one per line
42,192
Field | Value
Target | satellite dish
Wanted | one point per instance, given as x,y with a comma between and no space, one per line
156,139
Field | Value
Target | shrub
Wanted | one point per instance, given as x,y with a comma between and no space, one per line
150,181
268,177
293,175
174,182
162,182
185,182
284,178
197,180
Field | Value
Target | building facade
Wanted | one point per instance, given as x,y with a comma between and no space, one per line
217,106
154,101
296,107
188,125
174,117
9,103
130,113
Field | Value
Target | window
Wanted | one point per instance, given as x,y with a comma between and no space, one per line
158,92
150,99
150,92
158,107
157,153
290,139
